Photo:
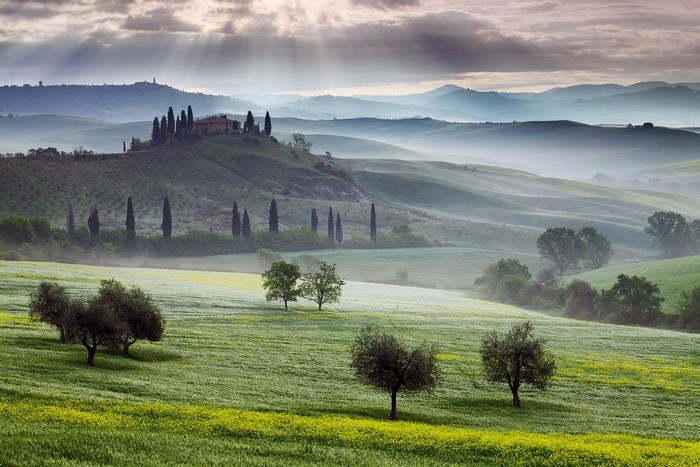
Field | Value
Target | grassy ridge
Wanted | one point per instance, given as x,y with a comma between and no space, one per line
233,370
671,275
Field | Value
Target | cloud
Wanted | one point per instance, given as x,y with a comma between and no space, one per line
19,11
386,4
158,19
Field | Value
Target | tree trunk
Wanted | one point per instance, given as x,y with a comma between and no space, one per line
64,338
91,356
285,304
393,405
125,350
516,399
319,305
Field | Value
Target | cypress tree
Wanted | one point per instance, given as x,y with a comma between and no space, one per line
171,123
338,229
245,228
314,220
70,224
235,221
155,133
249,122
167,225
178,128
94,221
273,222
268,124
373,226
130,222
331,231
190,120
163,130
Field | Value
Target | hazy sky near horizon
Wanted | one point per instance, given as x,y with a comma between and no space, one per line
239,47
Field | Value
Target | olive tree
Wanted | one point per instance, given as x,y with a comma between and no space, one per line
516,358
139,317
380,360
50,304
94,324
280,282
323,286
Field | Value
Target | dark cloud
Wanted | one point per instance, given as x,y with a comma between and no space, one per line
158,19
18,11
386,4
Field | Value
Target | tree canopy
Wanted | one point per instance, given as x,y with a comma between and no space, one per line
323,286
380,360
516,358
562,246
632,300
597,246
671,233
280,282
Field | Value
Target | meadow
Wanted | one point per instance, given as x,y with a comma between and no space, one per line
238,380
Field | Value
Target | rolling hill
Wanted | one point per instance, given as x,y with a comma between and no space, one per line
464,205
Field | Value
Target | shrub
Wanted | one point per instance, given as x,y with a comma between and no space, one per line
581,300
16,229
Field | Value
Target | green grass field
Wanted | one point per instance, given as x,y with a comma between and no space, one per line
237,380
671,275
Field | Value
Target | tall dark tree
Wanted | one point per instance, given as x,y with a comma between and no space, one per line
273,222
130,221
249,122
94,221
171,123
183,124
314,220
268,124
373,225
338,229
155,133
331,229
235,221
380,360
70,222
190,120
163,130
178,128
245,228
167,225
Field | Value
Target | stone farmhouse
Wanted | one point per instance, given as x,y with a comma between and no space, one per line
215,125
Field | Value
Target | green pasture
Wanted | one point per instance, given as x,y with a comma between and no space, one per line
238,380
671,275
445,267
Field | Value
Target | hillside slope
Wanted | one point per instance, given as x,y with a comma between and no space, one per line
475,206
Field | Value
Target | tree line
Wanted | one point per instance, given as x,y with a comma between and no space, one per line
179,128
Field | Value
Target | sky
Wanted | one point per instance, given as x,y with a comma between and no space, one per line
348,47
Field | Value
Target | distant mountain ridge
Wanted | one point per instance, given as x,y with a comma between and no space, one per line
665,104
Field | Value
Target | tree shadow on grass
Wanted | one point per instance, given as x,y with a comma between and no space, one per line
153,355
503,403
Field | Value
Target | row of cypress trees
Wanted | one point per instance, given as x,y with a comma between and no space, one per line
172,126
240,227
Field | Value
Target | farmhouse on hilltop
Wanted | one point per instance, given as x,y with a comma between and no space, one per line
214,125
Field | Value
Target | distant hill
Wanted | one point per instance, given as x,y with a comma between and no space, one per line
113,103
